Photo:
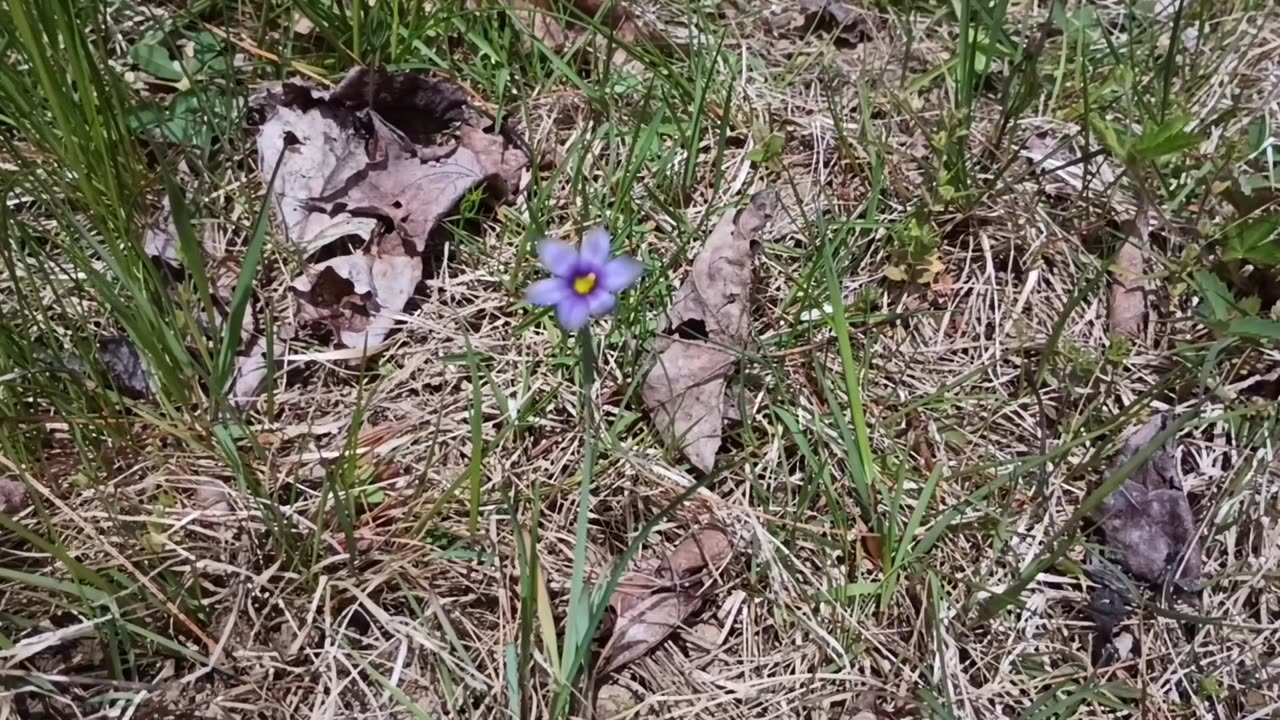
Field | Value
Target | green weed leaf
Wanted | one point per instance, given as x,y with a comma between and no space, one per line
1168,138
155,61
1257,242
1216,294
1255,327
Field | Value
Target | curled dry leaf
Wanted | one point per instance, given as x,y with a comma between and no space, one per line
709,546
378,161
1128,291
13,497
1147,522
644,626
708,323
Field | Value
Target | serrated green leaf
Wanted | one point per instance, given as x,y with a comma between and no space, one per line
1168,138
155,61
1257,242
1254,327
1216,294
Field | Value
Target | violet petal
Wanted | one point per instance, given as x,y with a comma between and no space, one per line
558,257
595,247
573,313
600,302
548,292
619,274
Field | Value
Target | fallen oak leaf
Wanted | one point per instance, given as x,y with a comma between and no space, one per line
1147,522
708,323
646,625
375,163
632,589
317,151
708,546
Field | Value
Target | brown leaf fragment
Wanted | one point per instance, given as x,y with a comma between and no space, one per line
709,320
535,14
849,24
252,368
359,296
633,587
317,151
1147,522
13,497
1128,291
708,546
644,626
160,240
338,293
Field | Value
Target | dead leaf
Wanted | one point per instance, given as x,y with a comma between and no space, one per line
644,626
379,160
849,24
1147,522
537,17
708,546
708,322
251,369
316,151
1128,291
160,240
125,367
633,587
13,497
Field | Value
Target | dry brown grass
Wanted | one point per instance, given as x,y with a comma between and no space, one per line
425,612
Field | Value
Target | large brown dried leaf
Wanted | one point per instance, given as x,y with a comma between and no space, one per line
709,320
318,150
645,625
1147,522
383,157
708,546
1128,291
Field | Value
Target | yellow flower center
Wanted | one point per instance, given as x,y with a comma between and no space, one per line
584,284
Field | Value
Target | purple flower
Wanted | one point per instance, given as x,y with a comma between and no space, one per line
585,281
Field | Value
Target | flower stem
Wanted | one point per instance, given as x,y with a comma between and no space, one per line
577,646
